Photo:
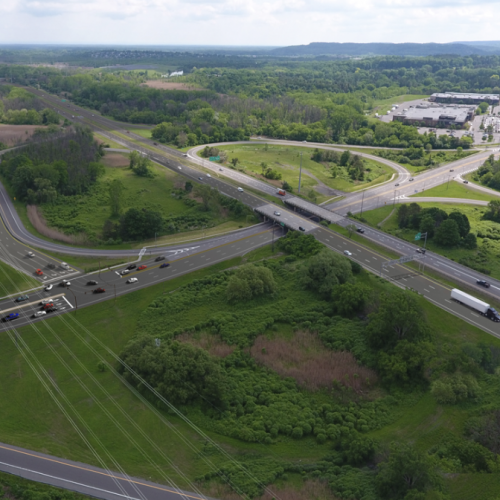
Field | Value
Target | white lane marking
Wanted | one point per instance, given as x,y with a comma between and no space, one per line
430,286
425,290
448,300
69,304
68,481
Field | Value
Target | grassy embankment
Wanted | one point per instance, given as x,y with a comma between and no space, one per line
456,190
417,418
286,161
15,281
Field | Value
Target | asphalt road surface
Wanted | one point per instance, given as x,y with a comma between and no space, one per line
85,479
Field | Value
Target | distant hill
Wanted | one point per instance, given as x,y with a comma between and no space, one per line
383,49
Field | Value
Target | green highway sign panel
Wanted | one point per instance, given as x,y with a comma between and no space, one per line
418,236
214,158
282,223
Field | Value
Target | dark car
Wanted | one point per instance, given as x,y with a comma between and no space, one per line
131,266
51,266
360,230
466,182
92,282
99,290
10,317
201,178
420,250
22,298
165,264
301,228
483,283
160,257
51,309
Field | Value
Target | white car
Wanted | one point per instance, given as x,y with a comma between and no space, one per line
208,175
45,301
39,313
179,168
240,190
346,252
65,283
277,213
31,254
132,280
65,266
48,288
124,272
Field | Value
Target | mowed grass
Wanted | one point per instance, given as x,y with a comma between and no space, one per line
455,189
286,160
146,133
13,281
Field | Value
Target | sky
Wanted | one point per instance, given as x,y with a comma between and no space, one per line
246,22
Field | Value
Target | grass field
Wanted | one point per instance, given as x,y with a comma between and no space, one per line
142,132
456,190
111,143
316,176
381,106
13,281
417,417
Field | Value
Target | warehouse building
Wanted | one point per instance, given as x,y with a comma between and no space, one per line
465,98
434,115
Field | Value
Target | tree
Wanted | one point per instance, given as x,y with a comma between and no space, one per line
344,158
427,225
209,196
470,241
287,187
324,271
351,228
234,162
116,196
299,244
483,107
447,234
406,470
188,186
138,224
462,222
250,281
399,317
350,298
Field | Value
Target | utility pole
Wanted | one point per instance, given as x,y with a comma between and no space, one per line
300,171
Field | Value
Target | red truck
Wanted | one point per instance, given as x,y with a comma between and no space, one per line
281,192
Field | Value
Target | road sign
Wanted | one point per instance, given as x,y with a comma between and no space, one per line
418,236
282,224
214,158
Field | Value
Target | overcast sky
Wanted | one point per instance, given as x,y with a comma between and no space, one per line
246,22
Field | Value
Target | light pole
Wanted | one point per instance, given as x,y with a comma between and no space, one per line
362,201
300,171
74,296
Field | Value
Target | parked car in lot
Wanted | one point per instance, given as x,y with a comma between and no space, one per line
22,298
160,257
346,252
132,280
10,317
92,282
165,264
140,268
39,313
131,266
48,288
99,290
483,283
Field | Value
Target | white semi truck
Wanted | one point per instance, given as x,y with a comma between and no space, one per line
478,305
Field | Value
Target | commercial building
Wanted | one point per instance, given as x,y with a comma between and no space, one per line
435,115
465,98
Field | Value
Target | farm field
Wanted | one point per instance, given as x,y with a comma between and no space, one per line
315,176
12,135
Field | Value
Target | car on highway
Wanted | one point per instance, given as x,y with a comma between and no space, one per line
39,313
51,265
160,257
132,280
165,264
466,182
396,185
65,283
185,155
209,176
125,271
360,230
483,283
201,178
51,309
22,298
180,168
48,305
92,282
451,170
131,266
39,272
411,179
302,228
277,213
98,290
346,252
10,317
45,301
31,254
221,170
420,250
140,268
240,190
48,288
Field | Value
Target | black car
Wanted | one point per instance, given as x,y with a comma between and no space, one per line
201,178
483,283
301,228
92,282
360,230
132,266
160,257
420,250
51,309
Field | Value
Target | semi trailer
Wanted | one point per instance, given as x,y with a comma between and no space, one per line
481,307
